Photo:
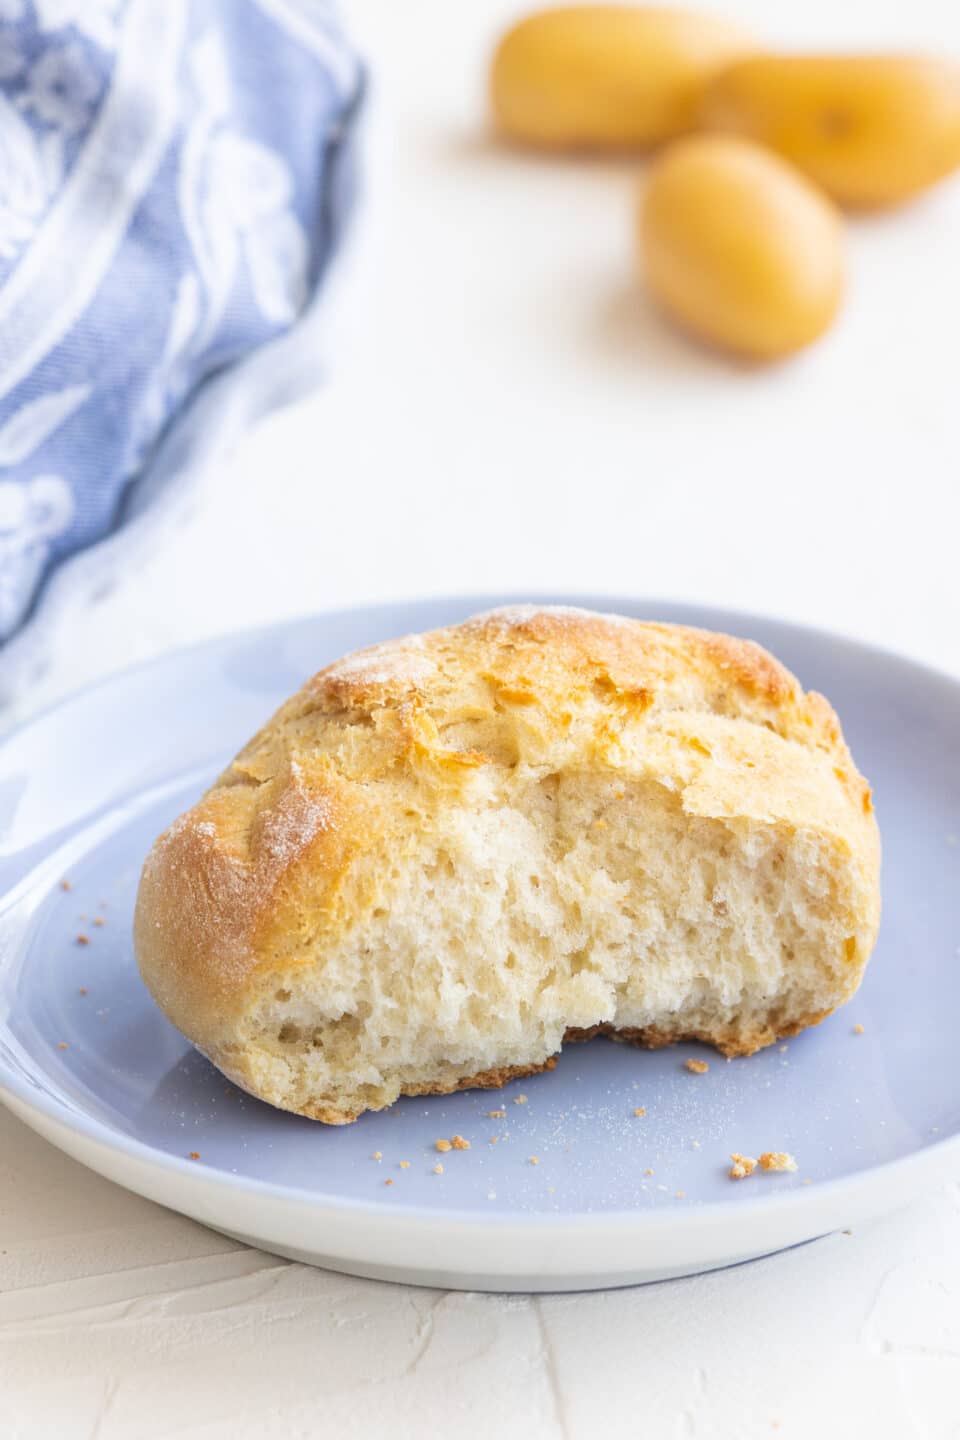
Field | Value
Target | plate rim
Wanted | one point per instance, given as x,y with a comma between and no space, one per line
698,1215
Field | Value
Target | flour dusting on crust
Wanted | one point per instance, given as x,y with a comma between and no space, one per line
401,660
289,827
523,614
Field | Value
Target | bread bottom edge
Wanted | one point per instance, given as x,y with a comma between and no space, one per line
648,1038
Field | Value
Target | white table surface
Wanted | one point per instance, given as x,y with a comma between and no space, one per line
504,412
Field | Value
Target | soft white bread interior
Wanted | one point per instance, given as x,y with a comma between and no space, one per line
446,854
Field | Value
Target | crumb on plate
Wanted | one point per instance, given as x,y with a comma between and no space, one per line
194,1155
519,1099
697,1067
459,1143
743,1165
83,939
438,1169
442,1145
858,1029
640,1111
780,1160
496,1114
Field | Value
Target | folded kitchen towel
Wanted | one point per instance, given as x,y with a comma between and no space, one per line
174,177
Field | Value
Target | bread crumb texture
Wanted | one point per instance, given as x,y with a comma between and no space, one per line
399,886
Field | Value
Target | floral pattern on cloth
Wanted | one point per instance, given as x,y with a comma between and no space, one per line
173,180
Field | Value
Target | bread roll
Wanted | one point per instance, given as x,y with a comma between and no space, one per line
448,853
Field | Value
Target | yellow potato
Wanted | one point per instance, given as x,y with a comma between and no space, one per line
871,129
607,76
739,247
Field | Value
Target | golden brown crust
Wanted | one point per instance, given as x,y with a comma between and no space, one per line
215,876
734,1042
361,758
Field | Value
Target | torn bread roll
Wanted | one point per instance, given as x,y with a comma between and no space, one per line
446,854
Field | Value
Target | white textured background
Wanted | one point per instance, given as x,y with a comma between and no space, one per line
504,411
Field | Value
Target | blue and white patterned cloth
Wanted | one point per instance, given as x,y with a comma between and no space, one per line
174,175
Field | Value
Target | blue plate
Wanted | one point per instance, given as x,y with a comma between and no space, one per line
569,1188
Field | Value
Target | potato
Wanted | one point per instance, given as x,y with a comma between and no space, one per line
871,129
607,76
739,247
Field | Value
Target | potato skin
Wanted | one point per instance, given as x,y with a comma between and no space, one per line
607,77
739,247
872,130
